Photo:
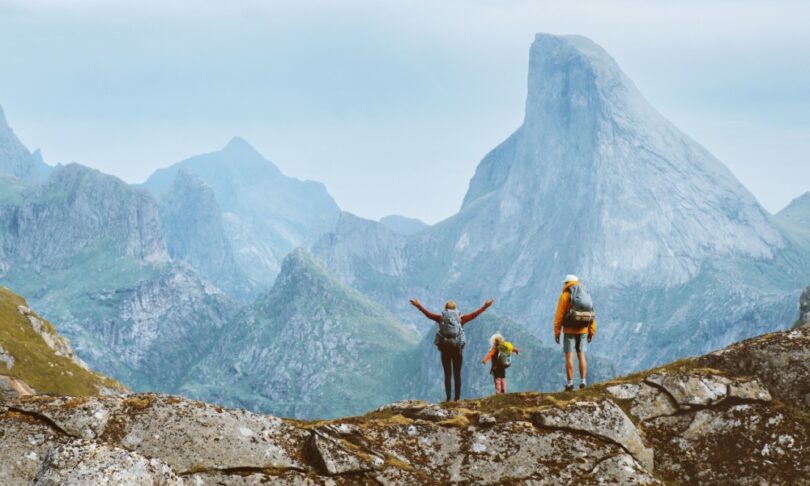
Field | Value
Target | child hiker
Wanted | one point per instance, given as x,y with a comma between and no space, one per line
501,355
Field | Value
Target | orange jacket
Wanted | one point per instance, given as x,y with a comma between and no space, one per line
492,351
562,308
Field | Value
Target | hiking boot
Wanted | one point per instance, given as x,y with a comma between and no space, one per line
581,386
569,387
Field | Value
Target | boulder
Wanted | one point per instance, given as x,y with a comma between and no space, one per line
650,402
82,462
692,390
604,419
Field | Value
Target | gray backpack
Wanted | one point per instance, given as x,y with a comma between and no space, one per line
581,312
451,332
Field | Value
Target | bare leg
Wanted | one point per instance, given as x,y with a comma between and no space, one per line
569,366
583,366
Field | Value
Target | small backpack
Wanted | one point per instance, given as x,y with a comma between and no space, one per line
503,358
580,313
451,332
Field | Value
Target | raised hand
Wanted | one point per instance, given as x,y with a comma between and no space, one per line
415,302
488,303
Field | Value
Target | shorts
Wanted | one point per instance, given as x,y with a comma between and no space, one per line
575,342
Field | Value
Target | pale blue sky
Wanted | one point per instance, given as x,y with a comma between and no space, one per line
385,102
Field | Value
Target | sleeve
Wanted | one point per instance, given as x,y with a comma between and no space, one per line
472,315
489,355
562,308
430,315
592,328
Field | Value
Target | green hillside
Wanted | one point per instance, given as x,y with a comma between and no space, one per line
32,350
311,347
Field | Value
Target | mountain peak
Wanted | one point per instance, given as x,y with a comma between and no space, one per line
238,145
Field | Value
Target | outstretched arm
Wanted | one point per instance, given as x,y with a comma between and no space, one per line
427,313
489,356
468,317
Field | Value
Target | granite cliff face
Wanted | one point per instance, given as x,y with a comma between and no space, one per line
735,416
78,209
266,213
88,252
194,230
597,183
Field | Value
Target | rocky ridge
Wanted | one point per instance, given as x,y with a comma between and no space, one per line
735,416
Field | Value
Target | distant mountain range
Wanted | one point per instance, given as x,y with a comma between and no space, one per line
225,279
265,213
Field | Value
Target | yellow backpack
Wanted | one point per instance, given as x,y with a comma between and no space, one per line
504,355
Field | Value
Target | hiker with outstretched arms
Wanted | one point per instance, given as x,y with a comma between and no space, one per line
450,340
576,319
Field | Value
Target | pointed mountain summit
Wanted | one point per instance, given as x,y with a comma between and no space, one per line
631,196
596,182
15,159
311,347
266,213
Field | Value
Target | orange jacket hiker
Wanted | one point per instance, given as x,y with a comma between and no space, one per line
562,309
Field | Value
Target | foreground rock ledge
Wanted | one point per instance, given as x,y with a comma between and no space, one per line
736,416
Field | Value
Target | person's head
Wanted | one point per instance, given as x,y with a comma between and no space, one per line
450,305
496,340
570,278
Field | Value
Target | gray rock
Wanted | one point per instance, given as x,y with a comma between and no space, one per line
781,361
336,459
486,419
81,462
25,443
193,436
625,468
11,387
80,417
624,391
604,419
804,307
650,402
436,413
749,390
692,390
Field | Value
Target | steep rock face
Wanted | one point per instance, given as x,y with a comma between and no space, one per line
729,418
88,252
82,208
15,159
804,307
596,182
267,213
311,347
37,359
192,225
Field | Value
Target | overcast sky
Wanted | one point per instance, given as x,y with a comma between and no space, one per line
385,102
